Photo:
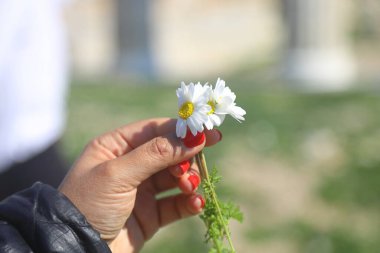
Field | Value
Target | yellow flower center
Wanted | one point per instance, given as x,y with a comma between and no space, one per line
186,110
212,104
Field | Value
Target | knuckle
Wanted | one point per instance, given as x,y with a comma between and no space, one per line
161,148
92,144
96,144
107,170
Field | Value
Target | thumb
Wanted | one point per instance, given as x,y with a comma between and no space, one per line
157,154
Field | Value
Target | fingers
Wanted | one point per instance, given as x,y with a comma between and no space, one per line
188,176
138,133
188,182
212,137
124,139
163,181
180,169
139,150
150,158
178,207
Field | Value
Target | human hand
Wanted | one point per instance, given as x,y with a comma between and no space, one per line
115,181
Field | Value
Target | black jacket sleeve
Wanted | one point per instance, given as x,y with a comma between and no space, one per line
41,219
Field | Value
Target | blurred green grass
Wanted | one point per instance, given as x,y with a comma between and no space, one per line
334,135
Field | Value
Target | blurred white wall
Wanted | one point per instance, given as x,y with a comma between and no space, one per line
318,53
195,39
188,38
92,32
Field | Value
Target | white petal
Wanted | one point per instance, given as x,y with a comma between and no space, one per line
192,125
199,120
183,85
226,100
228,93
203,117
181,128
237,112
222,117
198,91
220,84
216,119
219,88
183,94
203,109
191,92
199,126
206,94
179,93
209,123
222,108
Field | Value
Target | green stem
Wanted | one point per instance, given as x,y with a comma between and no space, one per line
201,162
217,245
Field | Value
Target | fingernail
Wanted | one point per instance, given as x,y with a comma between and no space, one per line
184,166
192,141
194,180
220,134
202,201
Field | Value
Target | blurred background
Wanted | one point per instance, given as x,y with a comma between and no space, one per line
305,165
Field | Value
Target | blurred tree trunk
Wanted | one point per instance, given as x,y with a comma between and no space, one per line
317,54
135,57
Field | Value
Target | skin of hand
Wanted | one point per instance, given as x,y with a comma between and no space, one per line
115,181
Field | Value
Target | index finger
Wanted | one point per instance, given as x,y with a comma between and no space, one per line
138,133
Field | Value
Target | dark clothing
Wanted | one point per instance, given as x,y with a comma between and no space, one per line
48,167
41,219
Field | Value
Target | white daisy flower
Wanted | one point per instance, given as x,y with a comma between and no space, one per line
222,102
192,108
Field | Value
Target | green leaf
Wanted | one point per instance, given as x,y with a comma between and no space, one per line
217,214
